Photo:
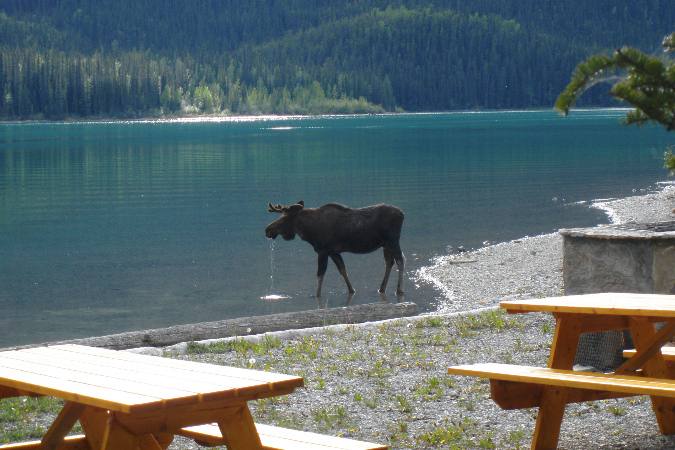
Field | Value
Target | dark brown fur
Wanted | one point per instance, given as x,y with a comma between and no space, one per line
332,229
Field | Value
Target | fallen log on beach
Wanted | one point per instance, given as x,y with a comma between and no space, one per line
161,337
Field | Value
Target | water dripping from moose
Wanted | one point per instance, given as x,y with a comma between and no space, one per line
272,295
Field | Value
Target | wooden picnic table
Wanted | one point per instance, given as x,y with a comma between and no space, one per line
130,401
646,372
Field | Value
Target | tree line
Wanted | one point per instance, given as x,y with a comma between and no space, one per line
77,58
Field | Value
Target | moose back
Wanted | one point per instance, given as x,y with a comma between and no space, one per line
332,229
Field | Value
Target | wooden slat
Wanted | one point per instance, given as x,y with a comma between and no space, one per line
126,382
78,442
143,378
259,381
650,348
6,392
613,304
566,378
668,353
518,395
208,434
43,384
129,385
643,334
201,368
267,432
276,438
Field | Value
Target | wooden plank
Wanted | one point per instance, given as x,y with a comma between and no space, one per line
515,395
208,434
613,304
126,385
549,418
172,420
127,381
553,399
239,431
667,353
592,323
78,392
565,342
131,376
78,442
644,335
69,414
6,392
650,347
628,384
267,432
104,433
277,438
191,367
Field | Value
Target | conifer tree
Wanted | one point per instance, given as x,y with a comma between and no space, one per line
646,82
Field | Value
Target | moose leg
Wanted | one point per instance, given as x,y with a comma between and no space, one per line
323,265
337,259
400,263
388,264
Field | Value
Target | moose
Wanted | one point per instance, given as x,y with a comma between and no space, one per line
332,229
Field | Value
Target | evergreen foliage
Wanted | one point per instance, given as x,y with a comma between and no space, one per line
644,81
75,58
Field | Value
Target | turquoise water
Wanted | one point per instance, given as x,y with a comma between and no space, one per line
107,227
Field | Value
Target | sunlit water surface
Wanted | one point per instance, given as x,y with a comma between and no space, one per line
107,227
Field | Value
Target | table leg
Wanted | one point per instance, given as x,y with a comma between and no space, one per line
553,399
104,433
643,333
62,425
239,431
164,439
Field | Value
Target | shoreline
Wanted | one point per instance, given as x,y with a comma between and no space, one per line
529,266
202,118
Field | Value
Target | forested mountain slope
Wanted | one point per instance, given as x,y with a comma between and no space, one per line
61,58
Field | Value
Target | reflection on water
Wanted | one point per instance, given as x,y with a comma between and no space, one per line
106,227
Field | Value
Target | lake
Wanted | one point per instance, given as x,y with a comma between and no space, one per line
114,226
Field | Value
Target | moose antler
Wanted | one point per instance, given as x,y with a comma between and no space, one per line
275,208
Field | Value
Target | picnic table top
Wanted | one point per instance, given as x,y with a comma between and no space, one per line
128,383
613,304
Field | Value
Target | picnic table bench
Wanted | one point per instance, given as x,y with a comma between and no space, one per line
127,401
646,372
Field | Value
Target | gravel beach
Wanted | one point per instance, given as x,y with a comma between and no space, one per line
386,382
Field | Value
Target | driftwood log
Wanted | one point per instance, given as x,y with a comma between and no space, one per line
161,337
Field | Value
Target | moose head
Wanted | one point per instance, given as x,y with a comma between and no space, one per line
284,225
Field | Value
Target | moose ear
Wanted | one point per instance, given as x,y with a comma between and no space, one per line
296,208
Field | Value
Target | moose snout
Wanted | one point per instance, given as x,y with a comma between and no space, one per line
270,233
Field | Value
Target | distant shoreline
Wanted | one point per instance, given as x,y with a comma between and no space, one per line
205,118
